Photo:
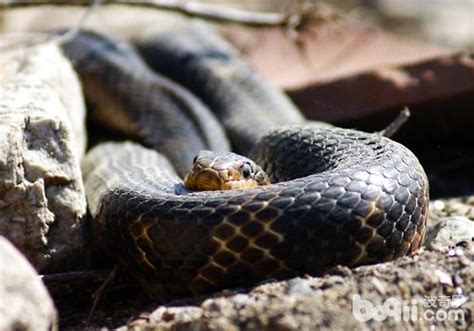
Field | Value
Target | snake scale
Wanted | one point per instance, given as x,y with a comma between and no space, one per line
338,196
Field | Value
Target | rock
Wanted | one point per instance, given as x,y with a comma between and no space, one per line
449,232
42,200
25,303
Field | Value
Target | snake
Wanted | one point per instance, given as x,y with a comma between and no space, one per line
310,196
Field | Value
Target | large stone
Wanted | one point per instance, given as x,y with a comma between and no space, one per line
42,200
25,303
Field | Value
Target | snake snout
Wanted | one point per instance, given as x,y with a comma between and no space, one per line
224,171
204,180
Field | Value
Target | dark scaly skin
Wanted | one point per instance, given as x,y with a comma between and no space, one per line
363,199
197,57
344,197
126,95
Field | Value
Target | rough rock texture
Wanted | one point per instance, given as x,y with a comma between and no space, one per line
42,201
25,303
449,231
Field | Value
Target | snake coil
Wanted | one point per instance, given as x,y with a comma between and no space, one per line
339,196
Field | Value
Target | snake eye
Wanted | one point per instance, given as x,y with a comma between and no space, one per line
195,159
246,170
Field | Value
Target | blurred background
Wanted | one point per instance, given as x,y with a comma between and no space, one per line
447,22
352,63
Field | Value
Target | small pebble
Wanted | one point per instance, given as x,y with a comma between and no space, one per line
458,300
438,204
462,244
443,277
167,317
240,301
298,286
464,260
455,251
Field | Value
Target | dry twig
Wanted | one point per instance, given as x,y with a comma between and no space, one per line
188,8
396,124
297,18
100,292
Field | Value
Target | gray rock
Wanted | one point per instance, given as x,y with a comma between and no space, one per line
25,303
298,286
449,232
42,200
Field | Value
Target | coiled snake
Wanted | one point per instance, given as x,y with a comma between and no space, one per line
339,196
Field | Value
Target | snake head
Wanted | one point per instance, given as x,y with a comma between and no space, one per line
224,171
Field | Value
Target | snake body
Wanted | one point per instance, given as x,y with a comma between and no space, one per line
339,196
197,57
125,95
